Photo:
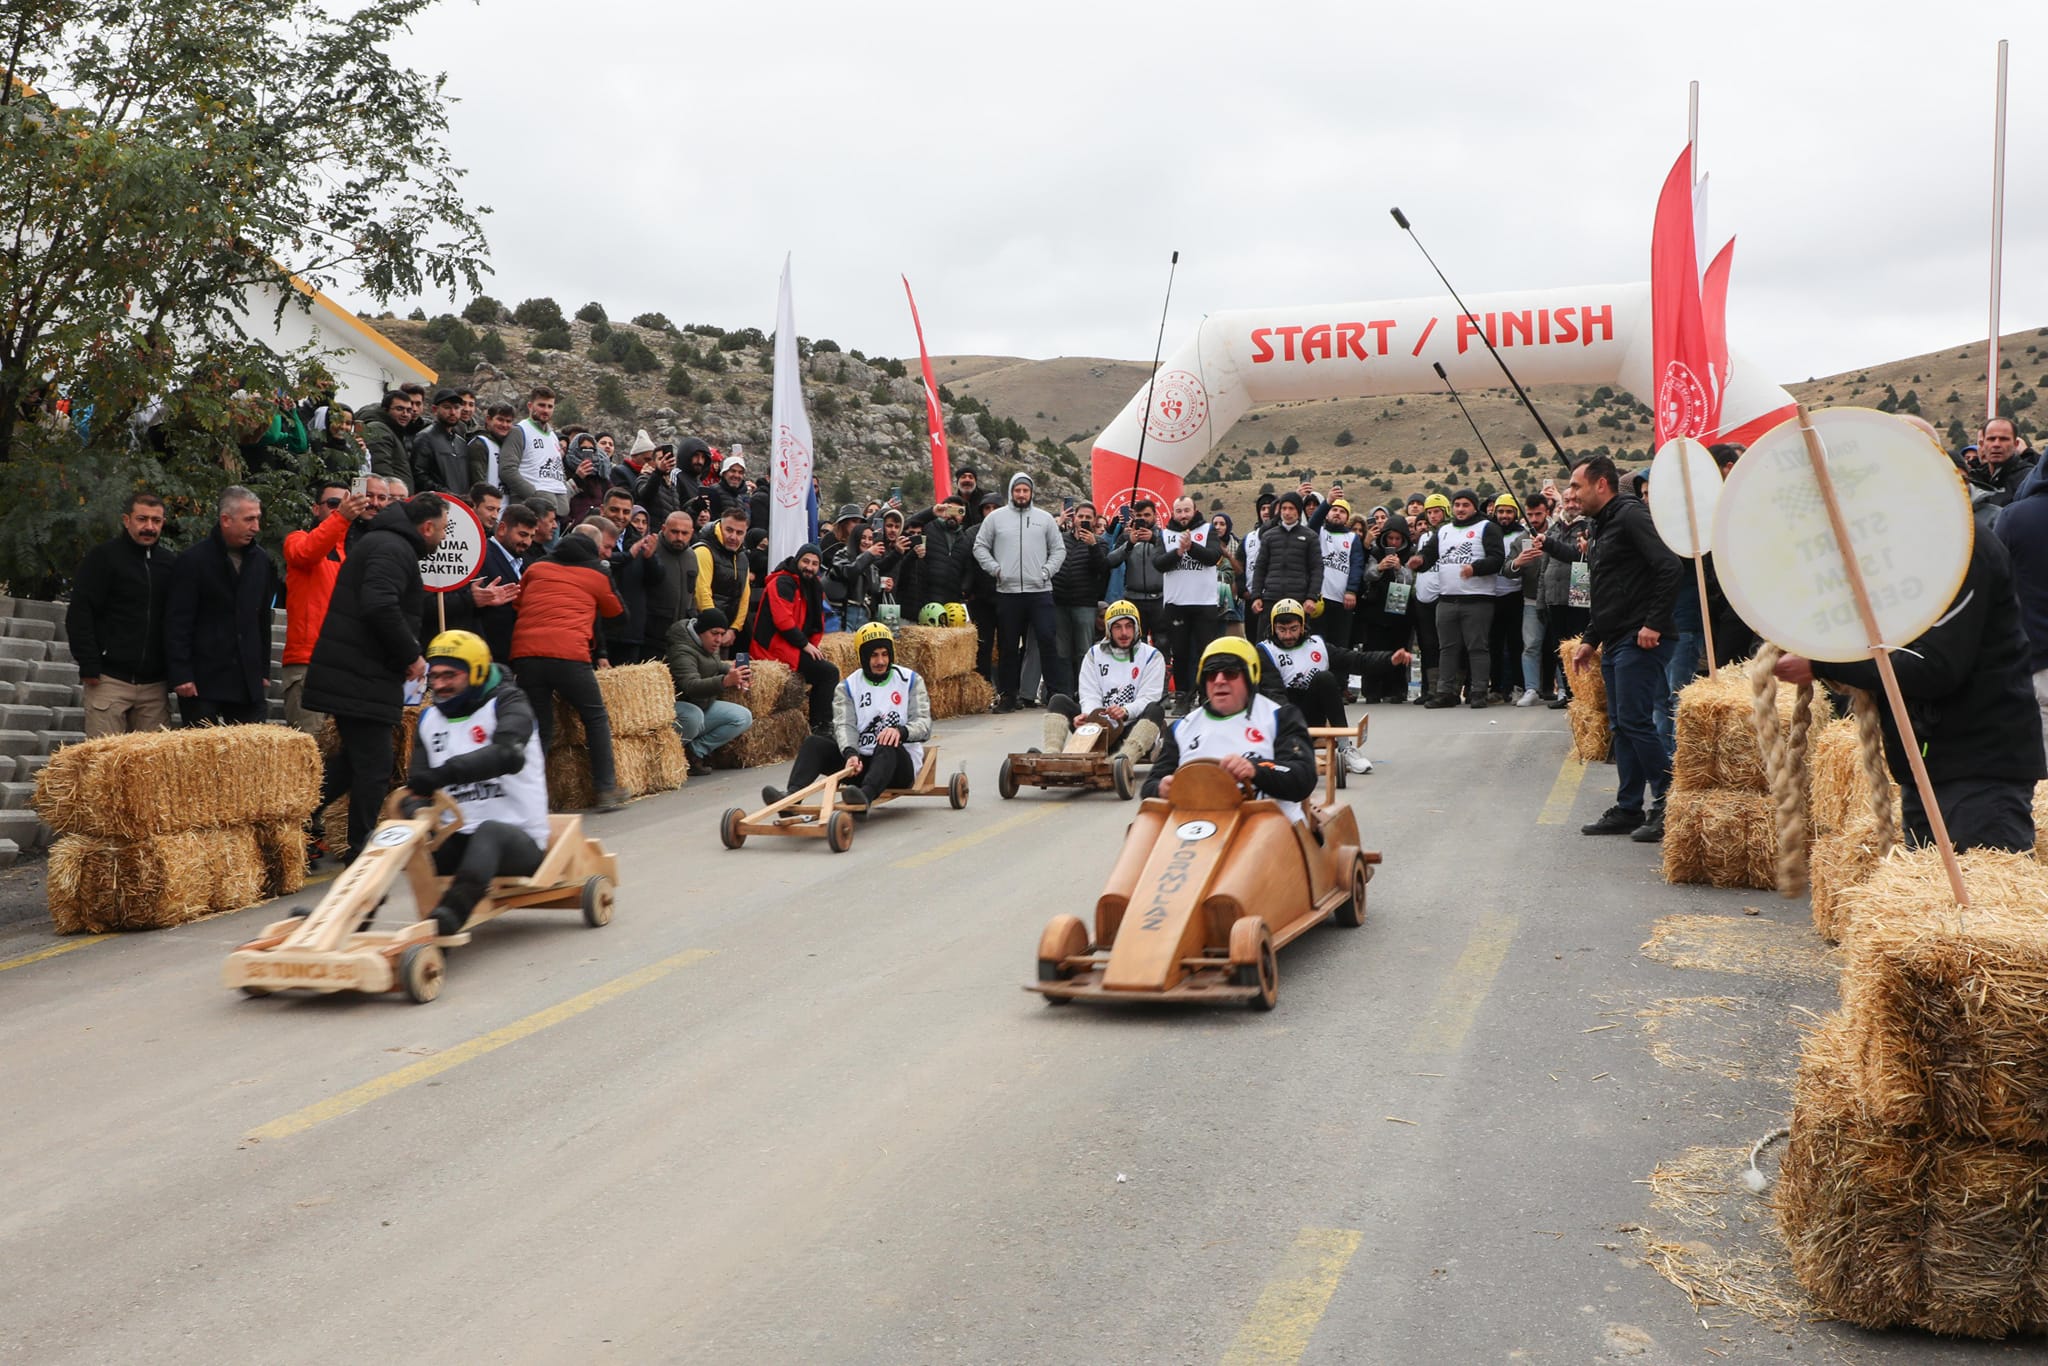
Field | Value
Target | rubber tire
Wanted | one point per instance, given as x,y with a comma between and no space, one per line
421,969
1253,962
839,832
1343,773
729,832
597,901
1123,774
1006,780
956,791
1352,913
299,912
1067,937
255,991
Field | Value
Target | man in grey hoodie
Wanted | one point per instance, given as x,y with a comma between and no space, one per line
1021,548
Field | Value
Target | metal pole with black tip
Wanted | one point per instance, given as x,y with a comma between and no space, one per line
1157,348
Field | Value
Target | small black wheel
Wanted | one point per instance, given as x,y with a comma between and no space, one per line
1352,913
251,990
1343,769
300,912
1253,961
597,900
729,831
420,972
1006,780
839,834
1121,773
956,791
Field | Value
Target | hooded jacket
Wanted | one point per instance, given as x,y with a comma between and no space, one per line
388,458
560,600
1020,548
367,639
792,612
312,561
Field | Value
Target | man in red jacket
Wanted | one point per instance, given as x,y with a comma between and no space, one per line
555,643
789,624
311,561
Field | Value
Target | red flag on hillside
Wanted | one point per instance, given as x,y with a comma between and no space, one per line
1681,359
942,465
1714,313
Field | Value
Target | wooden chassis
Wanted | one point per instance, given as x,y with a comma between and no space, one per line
814,811
1329,759
324,951
1087,762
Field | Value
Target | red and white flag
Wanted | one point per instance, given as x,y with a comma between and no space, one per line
1687,402
789,460
1714,312
942,464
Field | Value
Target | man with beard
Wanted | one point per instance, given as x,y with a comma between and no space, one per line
115,623
1020,547
1290,559
1338,541
1308,672
1466,553
530,457
1186,559
383,431
672,589
723,577
790,624
877,724
731,489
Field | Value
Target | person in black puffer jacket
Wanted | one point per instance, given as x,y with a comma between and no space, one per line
1078,584
368,650
1290,560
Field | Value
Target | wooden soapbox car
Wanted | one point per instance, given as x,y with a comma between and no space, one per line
1088,761
329,949
1212,882
815,811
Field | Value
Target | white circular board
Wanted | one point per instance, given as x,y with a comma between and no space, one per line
460,555
1908,517
1680,460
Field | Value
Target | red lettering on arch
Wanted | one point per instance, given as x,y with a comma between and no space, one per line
1423,340
1379,332
1567,324
1468,328
1287,336
1262,350
1511,323
1351,340
1603,319
1314,342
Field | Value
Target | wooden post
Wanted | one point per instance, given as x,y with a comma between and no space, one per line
441,605
1699,549
1817,456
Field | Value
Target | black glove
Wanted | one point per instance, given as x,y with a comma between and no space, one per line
423,784
410,806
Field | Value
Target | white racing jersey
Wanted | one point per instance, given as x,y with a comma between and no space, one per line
878,706
519,799
1456,547
540,463
1189,583
1203,735
1296,666
1338,548
1107,680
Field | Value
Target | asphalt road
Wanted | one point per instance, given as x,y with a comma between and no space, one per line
792,1106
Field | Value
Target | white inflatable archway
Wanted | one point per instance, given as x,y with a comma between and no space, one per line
1597,335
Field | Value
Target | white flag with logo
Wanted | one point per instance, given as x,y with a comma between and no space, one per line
789,523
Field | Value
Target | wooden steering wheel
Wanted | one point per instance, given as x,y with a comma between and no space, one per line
1204,784
446,815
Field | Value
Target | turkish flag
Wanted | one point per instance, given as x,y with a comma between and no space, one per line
1687,403
1714,310
935,422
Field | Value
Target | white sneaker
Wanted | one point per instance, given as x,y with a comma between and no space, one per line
1355,760
1527,699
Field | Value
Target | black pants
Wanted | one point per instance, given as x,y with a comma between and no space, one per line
1188,632
540,678
1151,619
1334,625
493,849
1016,614
823,678
1425,635
1321,699
1504,640
1981,813
360,770
206,711
889,766
1376,631
981,613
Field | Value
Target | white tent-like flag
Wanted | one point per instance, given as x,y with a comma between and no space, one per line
790,458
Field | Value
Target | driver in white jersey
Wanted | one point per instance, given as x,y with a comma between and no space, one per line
477,742
881,717
1122,677
1309,672
1256,739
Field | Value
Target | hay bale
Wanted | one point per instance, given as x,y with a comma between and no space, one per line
777,687
837,647
967,695
639,699
1834,863
130,787
282,846
774,739
2041,821
100,884
1592,739
1721,838
649,762
1889,1225
1715,734
1952,1007
937,651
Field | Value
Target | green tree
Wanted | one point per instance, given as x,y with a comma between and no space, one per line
592,312
539,314
491,347
1345,438
483,310
654,322
1290,446
678,382
154,164
734,395
842,488
1271,449
554,338
1460,458
611,396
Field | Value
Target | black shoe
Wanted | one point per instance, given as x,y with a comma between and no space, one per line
854,799
1547,697
1650,831
1421,699
1005,705
1560,704
446,922
1479,703
772,794
1439,702
1618,820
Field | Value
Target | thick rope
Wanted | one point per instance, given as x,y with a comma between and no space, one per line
1785,763
1877,778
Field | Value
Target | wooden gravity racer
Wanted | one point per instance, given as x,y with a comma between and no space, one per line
815,811
1330,759
329,949
1089,761
1211,883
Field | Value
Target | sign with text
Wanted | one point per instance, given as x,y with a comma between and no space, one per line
460,556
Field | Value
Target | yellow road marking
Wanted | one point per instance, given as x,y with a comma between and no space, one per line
1450,1017
969,840
1293,1302
40,954
1557,807
356,1098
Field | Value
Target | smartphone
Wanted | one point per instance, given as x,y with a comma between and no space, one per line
361,485
743,661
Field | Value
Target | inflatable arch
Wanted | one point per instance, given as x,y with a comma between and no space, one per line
1597,335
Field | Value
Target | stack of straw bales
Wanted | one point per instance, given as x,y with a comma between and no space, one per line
646,752
334,819
1914,1188
1592,740
942,655
1847,840
163,827
1719,824
780,704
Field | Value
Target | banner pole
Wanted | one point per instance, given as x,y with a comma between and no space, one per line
1997,233
1699,553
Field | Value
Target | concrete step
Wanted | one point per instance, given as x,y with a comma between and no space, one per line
7,606
6,768
54,739
21,647
16,670
29,628
54,671
28,765
68,718
17,796
6,692
15,744
46,694
23,828
9,853
15,716
30,609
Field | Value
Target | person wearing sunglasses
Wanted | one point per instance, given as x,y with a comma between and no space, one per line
1256,739
312,559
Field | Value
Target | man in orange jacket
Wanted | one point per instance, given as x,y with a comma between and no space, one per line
556,643
311,561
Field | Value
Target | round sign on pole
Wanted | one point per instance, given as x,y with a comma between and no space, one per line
1908,518
1680,462
460,556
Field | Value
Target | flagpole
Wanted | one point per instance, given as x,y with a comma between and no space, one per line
1692,128
1997,234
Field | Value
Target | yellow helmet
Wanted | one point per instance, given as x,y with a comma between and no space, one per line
1507,500
874,633
1123,610
1233,647
956,614
1344,503
466,648
1436,500
1288,607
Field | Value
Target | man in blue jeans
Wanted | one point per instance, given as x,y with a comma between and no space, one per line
1635,586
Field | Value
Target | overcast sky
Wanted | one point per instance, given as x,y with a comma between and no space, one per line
1031,166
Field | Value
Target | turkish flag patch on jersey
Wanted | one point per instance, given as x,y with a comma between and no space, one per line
1315,656
1134,671
1255,735
896,699
476,733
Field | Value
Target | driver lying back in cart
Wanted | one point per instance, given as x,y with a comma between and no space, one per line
881,718
1255,738
1122,677
478,742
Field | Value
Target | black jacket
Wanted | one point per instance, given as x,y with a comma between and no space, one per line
115,622
944,573
1289,776
1082,575
1635,575
1290,563
217,622
440,461
368,640
1966,684
389,458
632,575
2005,481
